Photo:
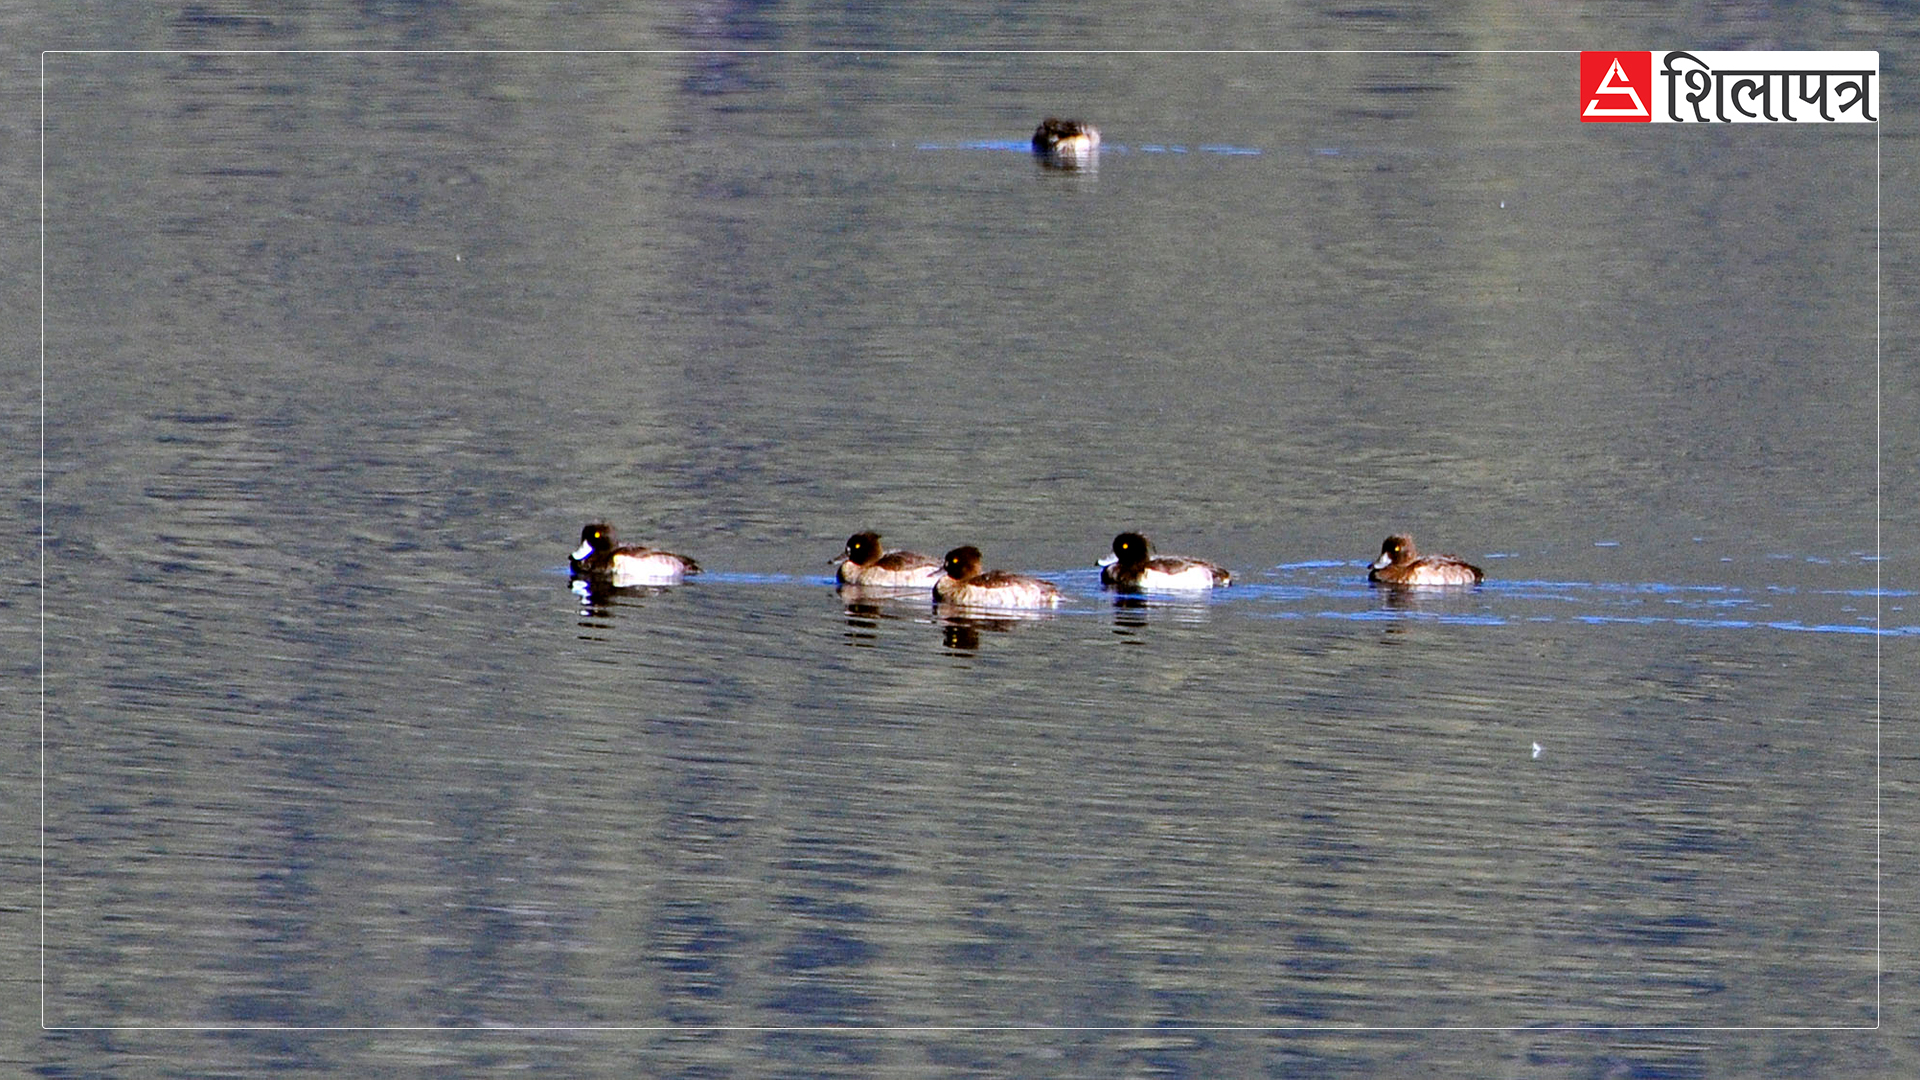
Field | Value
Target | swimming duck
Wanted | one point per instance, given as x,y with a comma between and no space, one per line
1400,564
965,585
1066,141
864,564
602,562
1133,567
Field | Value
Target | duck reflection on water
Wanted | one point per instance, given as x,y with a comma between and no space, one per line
1133,611
961,626
866,606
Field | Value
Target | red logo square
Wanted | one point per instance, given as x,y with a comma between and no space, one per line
1616,87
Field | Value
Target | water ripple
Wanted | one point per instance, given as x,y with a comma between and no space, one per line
1495,603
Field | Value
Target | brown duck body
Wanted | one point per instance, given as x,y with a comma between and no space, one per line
865,563
1401,564
1133,567
964,584
1066,142
605,562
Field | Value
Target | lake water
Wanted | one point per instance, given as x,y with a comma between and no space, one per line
343,350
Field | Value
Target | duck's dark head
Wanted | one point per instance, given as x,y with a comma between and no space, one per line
863,549
963,562
1131,548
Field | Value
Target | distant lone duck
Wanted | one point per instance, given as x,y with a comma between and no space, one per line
1133,567
602,562
1066,142
963,584
863,563
1400,564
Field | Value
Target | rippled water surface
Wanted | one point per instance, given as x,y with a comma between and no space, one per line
342,350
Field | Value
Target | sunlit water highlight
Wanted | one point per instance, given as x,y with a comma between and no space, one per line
1300,590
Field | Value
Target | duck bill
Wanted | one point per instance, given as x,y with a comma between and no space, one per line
1385,560
585,549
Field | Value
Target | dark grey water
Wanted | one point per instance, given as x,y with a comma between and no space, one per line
342,350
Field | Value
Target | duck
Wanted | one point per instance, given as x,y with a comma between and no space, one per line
1133,567
863,563
964,584
603,561
1066,141
1400,564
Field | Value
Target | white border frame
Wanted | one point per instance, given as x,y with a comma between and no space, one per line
1879,592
